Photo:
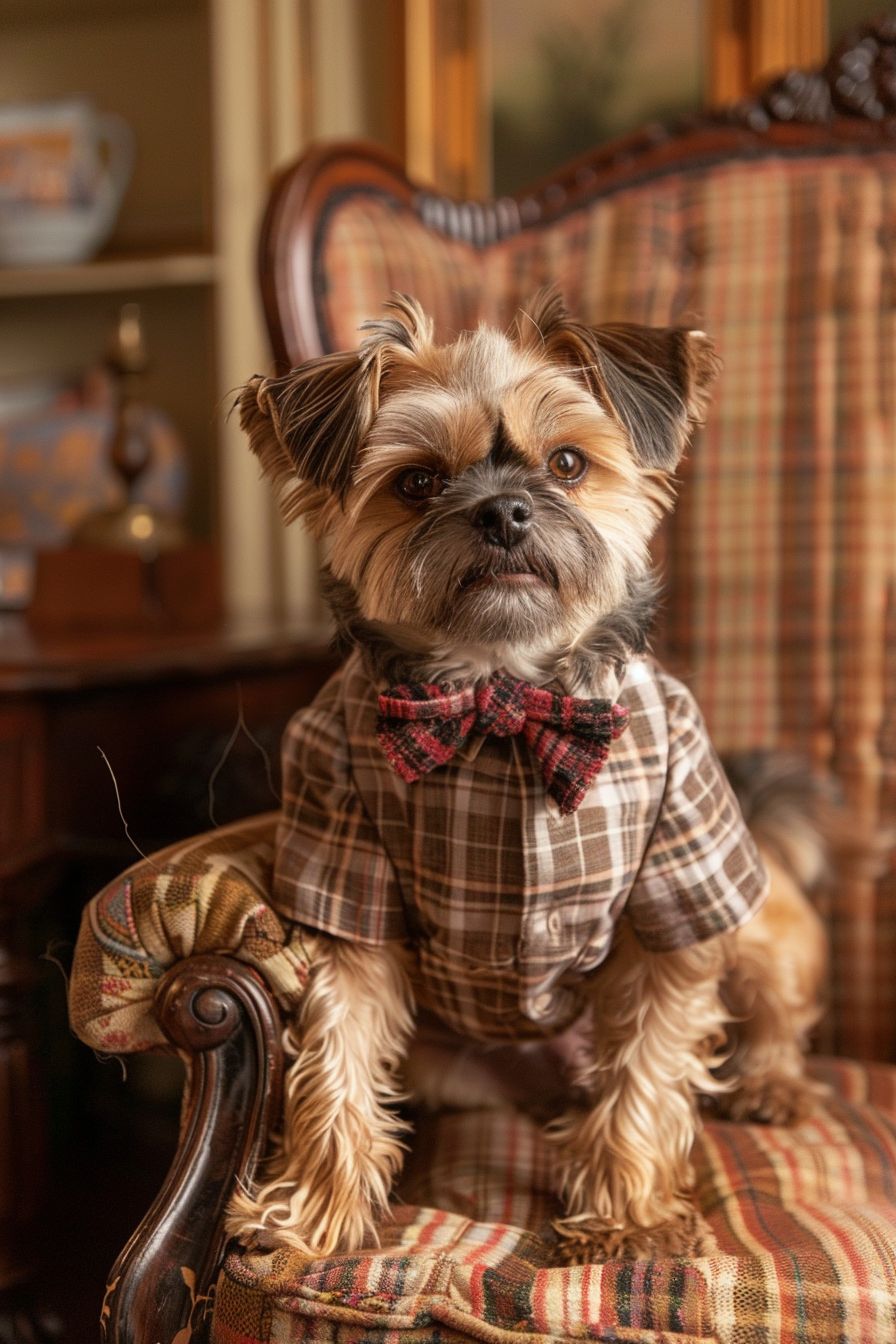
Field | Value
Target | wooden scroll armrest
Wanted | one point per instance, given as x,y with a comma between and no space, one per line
221,1015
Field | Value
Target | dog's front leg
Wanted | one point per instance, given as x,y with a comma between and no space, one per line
625,1170
341,1146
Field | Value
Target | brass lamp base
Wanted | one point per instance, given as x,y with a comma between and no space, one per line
132,527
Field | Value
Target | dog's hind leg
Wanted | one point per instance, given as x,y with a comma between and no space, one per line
773,994
341,1143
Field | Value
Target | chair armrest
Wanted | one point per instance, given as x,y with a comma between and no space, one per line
218,1012
183,952
207,894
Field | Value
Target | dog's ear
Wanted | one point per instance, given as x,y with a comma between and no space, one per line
308,427
408,328
654,381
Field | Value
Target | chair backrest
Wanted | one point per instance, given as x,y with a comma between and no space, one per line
773,226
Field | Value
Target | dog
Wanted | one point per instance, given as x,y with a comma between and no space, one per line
501,817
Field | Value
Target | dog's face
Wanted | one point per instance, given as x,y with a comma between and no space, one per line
500,490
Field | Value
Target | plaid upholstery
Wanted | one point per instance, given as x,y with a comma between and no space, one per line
780,559
805,1220
509,906
208,894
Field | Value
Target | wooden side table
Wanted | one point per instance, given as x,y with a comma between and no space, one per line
164,710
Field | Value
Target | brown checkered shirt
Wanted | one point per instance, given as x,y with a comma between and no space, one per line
508,905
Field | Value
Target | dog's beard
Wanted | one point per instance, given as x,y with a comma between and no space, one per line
498,603
478,594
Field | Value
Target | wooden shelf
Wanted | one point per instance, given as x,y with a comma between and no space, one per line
108,274
35,660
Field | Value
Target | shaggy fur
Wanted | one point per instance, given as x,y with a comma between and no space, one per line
396,454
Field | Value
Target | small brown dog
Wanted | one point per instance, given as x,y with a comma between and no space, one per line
501,814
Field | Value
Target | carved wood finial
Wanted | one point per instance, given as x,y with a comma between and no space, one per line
862,71
199,1016
858,80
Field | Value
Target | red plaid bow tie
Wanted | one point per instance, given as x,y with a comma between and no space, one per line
421,727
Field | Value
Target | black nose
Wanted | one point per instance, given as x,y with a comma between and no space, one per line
504,519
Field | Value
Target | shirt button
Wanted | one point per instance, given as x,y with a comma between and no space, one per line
541,1004
555,923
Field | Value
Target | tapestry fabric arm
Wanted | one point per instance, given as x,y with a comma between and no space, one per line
209,894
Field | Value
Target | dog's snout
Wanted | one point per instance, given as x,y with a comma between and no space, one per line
504,519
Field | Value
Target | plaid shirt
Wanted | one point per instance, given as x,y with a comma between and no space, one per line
507,905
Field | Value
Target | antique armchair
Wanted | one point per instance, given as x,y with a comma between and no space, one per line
773,224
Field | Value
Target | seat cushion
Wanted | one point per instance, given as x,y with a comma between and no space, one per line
805,1220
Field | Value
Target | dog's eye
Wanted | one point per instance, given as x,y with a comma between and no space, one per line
418,483
567,464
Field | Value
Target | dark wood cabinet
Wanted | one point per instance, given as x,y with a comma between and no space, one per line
190,726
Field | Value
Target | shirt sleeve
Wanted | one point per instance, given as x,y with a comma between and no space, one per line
331,871
701,874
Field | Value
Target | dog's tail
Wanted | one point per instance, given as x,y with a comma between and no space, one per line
793,815
802,822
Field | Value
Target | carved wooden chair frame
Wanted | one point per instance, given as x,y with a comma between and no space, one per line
848,105
215,1009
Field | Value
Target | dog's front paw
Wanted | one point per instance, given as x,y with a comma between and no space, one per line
275,1219
585,1241
771,1099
